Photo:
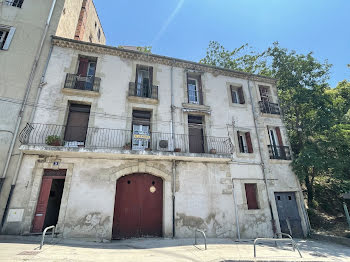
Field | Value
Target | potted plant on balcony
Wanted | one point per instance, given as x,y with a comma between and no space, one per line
53,140
212,151
177,149
127,146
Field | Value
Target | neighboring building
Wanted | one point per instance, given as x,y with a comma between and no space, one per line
128,144
26,27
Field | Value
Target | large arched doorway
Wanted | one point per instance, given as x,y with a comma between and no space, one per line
138,206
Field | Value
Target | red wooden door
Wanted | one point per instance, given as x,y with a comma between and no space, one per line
138,206
39,216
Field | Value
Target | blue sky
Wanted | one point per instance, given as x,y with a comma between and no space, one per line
183,28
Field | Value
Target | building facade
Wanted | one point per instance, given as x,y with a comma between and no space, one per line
128,144
25,41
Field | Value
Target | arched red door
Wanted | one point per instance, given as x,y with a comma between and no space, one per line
138,208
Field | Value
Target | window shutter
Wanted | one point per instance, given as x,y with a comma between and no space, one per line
250,191
249,142
150,68
137,74
279,137
83,66
9,38
188,93
231,89
241,96
200,89
240,144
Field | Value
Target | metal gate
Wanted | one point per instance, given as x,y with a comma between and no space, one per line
288,214
138,209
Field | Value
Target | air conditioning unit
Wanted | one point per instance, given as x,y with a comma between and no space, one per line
165,145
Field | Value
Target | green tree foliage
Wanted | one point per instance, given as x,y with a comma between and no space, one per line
316,116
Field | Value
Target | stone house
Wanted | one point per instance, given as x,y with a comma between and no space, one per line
128,144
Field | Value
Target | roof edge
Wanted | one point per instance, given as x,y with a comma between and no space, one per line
147,56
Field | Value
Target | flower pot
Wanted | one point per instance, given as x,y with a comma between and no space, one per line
212,151
177,150
127,147
55,143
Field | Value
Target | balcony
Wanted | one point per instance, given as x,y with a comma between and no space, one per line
279,152
269,108
124,141
143,91
84,83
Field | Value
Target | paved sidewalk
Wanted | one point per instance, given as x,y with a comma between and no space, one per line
15,248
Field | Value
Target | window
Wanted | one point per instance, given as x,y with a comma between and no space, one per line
86,73
250,192
141,123
244,142
264,93
6,34
95,24
77,125
194,89
237,95
143,81
99,34
16,3
275,136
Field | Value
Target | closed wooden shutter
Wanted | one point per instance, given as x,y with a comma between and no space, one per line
241,95
200,90
250,192
77,123
249,142
279,136
83,66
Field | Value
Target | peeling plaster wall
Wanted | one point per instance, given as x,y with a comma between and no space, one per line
204,190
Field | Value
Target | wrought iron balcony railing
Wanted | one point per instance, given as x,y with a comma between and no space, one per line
269,108
92,137
136,89
279,152
90,83
15,3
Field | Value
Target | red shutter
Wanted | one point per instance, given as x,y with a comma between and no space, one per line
41,206
279,137
83,66
250,192
241,96
249,142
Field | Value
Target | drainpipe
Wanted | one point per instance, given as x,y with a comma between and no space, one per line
173,138
20,115
261,159
174,185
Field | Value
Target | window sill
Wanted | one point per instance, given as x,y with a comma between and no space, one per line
280,161
245,155
78,92
270,115
143,100
238,105
196,108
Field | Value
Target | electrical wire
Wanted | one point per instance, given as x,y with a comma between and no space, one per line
110,116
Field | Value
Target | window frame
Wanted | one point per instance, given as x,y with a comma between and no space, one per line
195,91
